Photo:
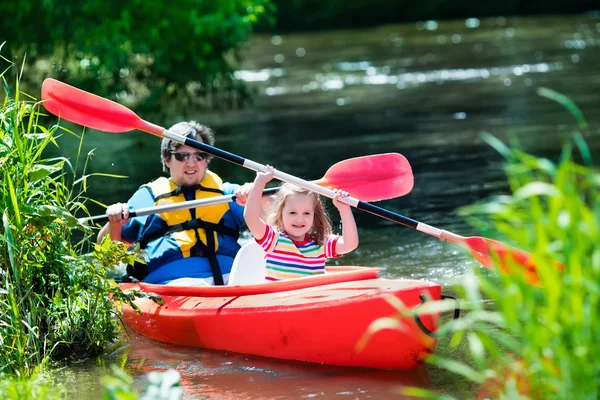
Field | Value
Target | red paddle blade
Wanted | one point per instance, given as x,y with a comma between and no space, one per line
371,178
491,253
89,110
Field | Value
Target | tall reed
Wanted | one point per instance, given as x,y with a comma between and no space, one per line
540,341
54,299
537,340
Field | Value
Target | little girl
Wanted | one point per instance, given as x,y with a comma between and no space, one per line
297,238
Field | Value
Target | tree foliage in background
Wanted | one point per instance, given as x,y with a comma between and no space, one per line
106,46
303,15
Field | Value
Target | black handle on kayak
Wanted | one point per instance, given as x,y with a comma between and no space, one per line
439,332
101,219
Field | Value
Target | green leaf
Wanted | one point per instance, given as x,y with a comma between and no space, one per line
8,237
58,213
16,212
41,171
497,145
566,102
458,368
537,189
84,177
584,150
477,350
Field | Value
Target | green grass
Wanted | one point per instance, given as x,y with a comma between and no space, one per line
540,341
543,340
56,302
39,385
536,341
54,298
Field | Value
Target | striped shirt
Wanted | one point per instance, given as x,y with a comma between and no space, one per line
286,258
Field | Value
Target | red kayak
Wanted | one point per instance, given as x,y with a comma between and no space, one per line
317,319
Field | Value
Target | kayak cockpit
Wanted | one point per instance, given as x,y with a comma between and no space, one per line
334,274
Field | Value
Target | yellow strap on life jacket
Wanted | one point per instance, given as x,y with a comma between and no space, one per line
187,239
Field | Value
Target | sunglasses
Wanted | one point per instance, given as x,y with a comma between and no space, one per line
183,156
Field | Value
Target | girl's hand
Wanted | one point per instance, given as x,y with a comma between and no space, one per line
339,194
118,214
349,239
264,177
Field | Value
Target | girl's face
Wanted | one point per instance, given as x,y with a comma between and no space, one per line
298,215
190,170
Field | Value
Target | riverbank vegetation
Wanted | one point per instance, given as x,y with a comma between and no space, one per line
540,341
553,212
55,301
537,339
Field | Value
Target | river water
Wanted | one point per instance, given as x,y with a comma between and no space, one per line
427,90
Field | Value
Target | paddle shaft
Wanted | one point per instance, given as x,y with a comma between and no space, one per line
361,205
140,212
225,155
414,224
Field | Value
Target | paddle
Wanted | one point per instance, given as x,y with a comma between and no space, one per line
95,112
370,178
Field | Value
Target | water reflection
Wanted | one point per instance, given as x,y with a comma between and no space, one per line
216,375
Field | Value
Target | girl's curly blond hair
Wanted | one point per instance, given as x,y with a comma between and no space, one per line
321,222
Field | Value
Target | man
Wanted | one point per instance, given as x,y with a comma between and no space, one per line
186,247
